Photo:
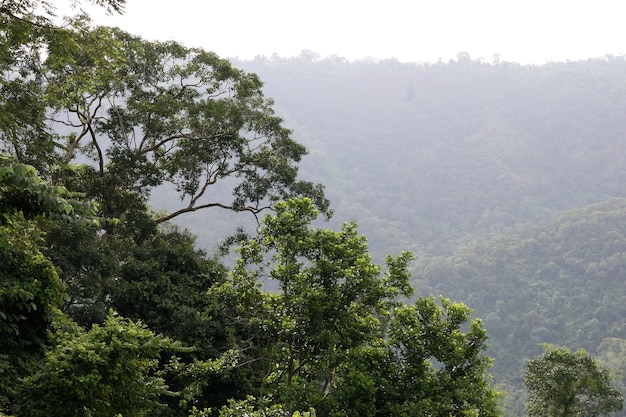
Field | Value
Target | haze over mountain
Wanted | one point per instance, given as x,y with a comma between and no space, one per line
433,154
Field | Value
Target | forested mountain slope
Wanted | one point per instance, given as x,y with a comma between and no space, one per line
427,156
561,284
469,165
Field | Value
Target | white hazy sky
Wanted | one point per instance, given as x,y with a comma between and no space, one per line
529,31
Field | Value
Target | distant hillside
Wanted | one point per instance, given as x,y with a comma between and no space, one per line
561,284
425,156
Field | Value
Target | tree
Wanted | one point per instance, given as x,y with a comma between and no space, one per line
333,334
109,370
442,368
163,281
31,290
150,113
329,298
561,383
113,116
426,364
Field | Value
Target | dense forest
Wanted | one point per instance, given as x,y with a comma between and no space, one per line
185,235
561,283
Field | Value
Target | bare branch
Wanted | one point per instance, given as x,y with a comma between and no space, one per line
163,141
254,210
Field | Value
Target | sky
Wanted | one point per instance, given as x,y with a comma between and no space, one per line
527,32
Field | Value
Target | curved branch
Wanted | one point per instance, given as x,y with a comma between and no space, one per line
189,209
162,142
85,119
45,25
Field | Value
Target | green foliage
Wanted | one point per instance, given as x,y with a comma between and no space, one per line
333,334
21,105
109,370
154,113
443,369
26,30
87,264
23,191
30,292
162,281
330,298
426,365
253,408
560,284
250,408
31,206
467,150
561,384
30,287
140,115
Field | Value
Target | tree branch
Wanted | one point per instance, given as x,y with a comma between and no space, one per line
254,210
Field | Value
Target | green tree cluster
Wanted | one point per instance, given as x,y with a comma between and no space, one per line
31,289
562,383
334,336
112,369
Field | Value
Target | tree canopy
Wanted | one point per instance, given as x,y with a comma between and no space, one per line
334,336
111,369
562,383
138,114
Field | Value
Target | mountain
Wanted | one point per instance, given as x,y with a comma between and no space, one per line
425,156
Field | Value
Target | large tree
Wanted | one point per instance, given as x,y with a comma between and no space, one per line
113,116
332,334
110,114
562,383
143,114
31,290
112,369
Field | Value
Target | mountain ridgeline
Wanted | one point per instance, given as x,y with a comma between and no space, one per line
507,181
